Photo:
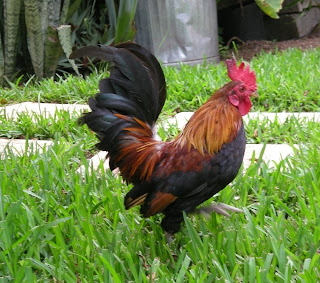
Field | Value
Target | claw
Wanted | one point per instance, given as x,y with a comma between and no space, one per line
169,237
220,208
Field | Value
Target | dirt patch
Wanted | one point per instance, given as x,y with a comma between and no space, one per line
247,50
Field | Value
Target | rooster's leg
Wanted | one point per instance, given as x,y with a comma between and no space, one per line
218,207
171,223
169,237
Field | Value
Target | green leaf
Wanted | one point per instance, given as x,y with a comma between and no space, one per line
109,267
64,12
252,269
53,52
11,28
125,27
23,42
54,12
35,36
72,9
64,33
183,269
44,17
270,7
1,63
112,14
1,206
39,265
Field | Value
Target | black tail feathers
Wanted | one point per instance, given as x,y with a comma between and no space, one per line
136,88
136,82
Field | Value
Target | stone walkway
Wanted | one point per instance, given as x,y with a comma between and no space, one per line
273,152
45,109
19,146
272,155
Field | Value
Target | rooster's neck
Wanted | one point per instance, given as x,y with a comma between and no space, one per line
216,123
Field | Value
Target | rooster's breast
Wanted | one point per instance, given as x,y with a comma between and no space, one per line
224,165
208,177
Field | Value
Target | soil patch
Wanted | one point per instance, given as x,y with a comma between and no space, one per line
247,50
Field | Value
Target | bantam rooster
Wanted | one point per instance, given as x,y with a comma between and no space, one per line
168,177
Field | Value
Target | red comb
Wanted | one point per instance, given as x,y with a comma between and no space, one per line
241,74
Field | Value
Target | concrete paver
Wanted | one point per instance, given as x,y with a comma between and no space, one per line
94,162
273,152
18,146
46,109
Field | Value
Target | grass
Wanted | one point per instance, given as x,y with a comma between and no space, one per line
58,225
64,124
287,81
292,130
65,89
44,127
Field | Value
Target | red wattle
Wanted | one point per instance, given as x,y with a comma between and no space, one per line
244,106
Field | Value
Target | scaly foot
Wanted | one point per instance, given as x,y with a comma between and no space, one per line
169,237
218,207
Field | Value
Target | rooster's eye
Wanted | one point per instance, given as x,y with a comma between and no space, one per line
241,88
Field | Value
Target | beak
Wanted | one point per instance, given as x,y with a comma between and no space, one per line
254,94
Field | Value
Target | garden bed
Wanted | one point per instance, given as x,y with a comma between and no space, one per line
250,49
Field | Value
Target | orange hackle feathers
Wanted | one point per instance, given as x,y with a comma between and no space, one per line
145,157
215,123
138,149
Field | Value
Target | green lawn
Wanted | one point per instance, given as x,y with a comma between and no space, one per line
57,225
287,81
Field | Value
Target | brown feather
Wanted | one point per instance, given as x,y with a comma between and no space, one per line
144,154
134,202
159,203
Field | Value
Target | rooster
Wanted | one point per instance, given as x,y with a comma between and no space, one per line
176,176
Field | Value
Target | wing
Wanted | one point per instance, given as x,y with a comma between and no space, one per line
174,178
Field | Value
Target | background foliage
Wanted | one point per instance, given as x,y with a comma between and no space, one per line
38,35
271,7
